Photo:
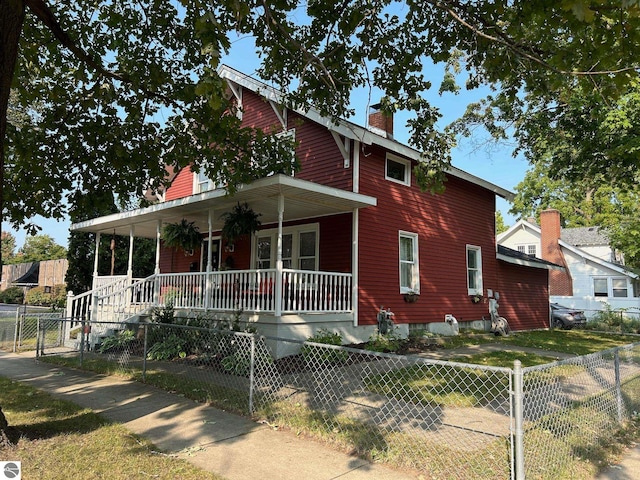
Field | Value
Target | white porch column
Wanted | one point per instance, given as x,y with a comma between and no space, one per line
354,265
158,237
278,305
156,290
130,262
208,285
95,261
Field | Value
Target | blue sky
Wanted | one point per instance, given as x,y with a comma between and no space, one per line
495,164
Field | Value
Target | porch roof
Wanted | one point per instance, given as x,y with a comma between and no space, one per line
303,199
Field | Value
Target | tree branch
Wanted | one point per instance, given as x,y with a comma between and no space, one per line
42,11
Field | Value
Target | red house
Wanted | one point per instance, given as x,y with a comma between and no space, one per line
349,233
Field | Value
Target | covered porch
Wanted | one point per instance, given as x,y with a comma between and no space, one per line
281,289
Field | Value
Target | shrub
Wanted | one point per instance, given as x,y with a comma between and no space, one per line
13,295
117,342
56,298
312,353
169,348
389,342
611,320
239,363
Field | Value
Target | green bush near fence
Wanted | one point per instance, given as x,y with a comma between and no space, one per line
610,320
55,298
311,353
12,295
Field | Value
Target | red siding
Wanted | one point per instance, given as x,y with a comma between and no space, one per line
320,158
445,224
524,296
335,243
182,185
175,261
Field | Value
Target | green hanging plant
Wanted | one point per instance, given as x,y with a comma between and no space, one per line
241,220
184,235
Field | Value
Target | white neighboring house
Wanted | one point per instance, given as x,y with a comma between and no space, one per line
594,274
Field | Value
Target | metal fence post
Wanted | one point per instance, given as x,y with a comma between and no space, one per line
15,333
21,329
82,337
619,400
144,353
251,372
38,337
518,420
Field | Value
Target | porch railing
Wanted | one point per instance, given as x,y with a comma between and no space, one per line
79,306
248,290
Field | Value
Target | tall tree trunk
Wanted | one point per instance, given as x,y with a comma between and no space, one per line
11,20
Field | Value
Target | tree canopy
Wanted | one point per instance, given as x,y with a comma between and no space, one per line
8,245
124,88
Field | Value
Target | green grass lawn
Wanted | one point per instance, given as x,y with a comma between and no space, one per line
58,439
575,342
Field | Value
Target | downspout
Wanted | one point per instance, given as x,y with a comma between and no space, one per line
355,251
278,305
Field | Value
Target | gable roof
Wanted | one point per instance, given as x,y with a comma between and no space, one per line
351,130
524,224
584,236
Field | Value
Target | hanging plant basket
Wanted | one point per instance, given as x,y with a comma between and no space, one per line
241,220
184,235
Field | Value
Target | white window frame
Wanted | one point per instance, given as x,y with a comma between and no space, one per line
593,286
415,274
407,169
479,288
610,286
199,181
295,232
527,247
626,287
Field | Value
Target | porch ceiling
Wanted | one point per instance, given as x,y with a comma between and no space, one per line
302,199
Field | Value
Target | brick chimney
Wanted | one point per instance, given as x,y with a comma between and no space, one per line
560,282
380,122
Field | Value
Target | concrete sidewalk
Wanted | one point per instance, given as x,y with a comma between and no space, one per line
229,445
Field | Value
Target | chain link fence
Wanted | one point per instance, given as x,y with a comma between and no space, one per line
574,406
19,329
446,420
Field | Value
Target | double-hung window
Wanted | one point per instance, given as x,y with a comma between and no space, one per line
610,287
299,248
409,267
474,270
619,287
